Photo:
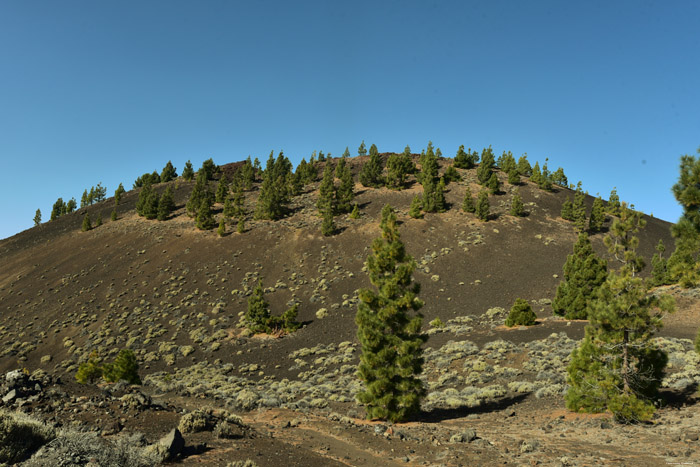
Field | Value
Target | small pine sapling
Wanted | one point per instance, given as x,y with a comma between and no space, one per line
468,203
482,206
521,314
416,207
516,206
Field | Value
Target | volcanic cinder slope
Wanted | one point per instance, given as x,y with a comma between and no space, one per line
175,295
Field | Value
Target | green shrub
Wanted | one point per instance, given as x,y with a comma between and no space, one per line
125,367
20,436
521,314
89,371
437,323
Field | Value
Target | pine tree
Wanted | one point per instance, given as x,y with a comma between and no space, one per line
514,177
493,184
222,189
617,367
345,192
659,266
326,191
614,203
684,263
584,273
389,330
147,204
205,218
536,175
125,367
166,204
228,208
118,194
516,205
188,171
58,209
274,195
398,167
509,165
468,203
558,178
567,210
240,228
362,150
451,175
87,224
199,191
416,206
328,225
524,168
98,222
257,317
578,211
222,227
595,222
37,217
545,181
482,206
521,314
168,173
84,199
463,160
371,172
355,213
113,216
484,172
70,206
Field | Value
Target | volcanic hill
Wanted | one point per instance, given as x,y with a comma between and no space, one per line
176,295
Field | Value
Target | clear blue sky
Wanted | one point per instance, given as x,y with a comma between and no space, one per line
104,91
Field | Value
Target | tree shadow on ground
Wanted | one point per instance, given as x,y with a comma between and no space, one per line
440,415
679,398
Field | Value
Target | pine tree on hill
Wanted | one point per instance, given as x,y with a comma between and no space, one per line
524,168
328,227
37,217
389,330
57,209
463,159
147,204
345,192
578,211
516,205
614,203
595,222
118,194
398,168
514,177
617,367
87,224
166,204
508,165
168,173
439,197
188,171
222,189
371,173
536,175
558,178
98,222
567,210
70,206
205,218
362,150
584,273
468,203
659,266
545,181
274,195
483,173
209,169
258,315
493,184
199,191
326,191
416,206
451,175
482,206
221,230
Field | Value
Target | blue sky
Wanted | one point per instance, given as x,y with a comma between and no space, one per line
104,91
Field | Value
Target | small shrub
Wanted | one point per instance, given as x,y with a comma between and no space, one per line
437,323
20,436
521,314
196,421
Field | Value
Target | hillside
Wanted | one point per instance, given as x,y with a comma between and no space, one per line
175,295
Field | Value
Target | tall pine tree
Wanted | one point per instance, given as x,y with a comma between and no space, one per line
617,367
389,330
